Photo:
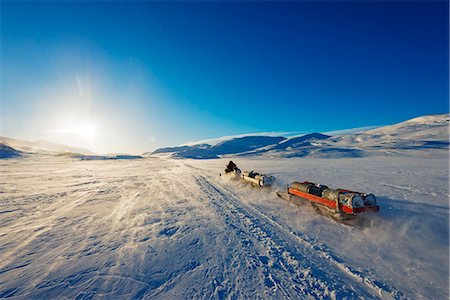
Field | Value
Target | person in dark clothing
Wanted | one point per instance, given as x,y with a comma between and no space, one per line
230,167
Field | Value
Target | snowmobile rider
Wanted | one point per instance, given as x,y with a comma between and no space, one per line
231,167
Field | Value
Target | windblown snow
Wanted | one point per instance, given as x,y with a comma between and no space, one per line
160,228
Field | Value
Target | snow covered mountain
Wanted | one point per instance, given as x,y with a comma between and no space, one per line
229,147
291,147
427,132
10,148
8,152
423,132
41,147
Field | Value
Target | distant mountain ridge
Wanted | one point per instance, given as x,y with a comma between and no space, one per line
43,147
232,146
8,152
10,148
422,133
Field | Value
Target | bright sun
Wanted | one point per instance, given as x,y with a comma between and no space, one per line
86,131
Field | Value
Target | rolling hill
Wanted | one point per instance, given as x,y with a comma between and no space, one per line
422,133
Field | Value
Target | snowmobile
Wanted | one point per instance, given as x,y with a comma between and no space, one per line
232,171
340,204
256,179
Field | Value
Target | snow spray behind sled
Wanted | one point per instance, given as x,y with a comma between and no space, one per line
340,204
254,178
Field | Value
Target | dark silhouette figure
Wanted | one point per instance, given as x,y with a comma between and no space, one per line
231,167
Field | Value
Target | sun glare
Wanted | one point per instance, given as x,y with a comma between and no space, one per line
86,131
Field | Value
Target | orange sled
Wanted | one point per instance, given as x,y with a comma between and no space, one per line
340,204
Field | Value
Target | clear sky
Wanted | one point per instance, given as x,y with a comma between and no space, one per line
134,76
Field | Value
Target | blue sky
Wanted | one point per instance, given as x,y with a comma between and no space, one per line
151,74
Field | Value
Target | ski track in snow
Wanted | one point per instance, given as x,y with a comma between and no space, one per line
160,228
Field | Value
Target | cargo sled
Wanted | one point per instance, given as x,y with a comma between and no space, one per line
340,204
256,179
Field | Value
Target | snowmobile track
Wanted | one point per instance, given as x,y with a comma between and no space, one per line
322,251
313,270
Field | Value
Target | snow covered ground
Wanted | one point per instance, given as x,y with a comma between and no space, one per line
162,228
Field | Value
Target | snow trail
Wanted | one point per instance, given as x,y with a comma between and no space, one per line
160,228
293,248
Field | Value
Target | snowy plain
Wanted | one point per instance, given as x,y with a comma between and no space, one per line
173,229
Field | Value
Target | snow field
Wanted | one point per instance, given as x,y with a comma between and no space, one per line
161,228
